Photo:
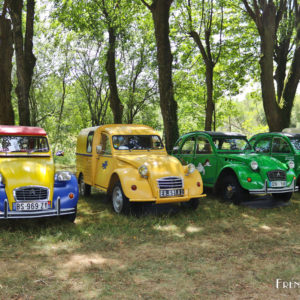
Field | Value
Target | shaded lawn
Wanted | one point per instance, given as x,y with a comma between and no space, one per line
219,251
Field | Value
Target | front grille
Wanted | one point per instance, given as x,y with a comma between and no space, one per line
31,193
277,175
170,183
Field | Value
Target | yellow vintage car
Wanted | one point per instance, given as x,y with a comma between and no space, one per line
131,164
29,185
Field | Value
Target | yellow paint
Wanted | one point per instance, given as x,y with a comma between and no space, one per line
27,171
98,170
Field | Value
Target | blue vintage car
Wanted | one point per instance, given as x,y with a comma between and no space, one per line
29,185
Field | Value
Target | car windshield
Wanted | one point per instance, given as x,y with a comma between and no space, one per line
296,143
23,144
137,142
231,144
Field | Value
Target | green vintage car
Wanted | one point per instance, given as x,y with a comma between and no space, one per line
228,164
281,145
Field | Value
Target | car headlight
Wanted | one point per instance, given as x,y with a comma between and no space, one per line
63,176
254,165
191,168
291,164
143,170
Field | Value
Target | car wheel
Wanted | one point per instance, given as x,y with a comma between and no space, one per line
192,204
231,190
71,217
120,202
84,189
285,197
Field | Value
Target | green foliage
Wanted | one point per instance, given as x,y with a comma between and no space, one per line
71,42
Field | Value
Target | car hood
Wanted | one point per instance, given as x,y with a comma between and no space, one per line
264,162
19,172
158,165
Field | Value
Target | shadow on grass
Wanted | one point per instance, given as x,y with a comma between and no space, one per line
264,202
98,201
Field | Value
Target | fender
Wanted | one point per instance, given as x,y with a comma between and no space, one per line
62,189
129,177
242,174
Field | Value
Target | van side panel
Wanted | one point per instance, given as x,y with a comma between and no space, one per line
84,159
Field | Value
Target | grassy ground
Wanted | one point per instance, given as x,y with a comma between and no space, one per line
218,251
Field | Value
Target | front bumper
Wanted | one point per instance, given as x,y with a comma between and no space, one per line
168,199
269,190
57,211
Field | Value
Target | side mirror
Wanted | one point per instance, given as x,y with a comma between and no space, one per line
175,150
99,149
59,153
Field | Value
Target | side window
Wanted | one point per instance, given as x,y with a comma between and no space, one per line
105,143
188,146
279,145
203,146
263,145
89,142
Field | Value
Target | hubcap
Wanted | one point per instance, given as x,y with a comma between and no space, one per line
117,199
229,191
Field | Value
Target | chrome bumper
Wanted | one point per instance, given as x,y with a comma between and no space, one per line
57,211
269,190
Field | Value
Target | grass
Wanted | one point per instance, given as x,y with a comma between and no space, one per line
219,251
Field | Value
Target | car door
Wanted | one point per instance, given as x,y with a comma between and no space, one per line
205,160
281,150
104,163
186,150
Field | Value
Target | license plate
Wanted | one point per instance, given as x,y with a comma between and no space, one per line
33,205
277,183
171,193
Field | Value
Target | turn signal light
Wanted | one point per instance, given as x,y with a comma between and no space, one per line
249,179
133,187
71,195
198,184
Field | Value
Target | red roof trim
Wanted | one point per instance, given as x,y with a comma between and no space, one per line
21,130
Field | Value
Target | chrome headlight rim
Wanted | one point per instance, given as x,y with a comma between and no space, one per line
291,164
254,165
1,179
63,176
191,168
143,170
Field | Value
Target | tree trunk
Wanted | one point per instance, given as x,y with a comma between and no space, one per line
268,36
24,56
267,18
6,53
115,103
160,12
210,106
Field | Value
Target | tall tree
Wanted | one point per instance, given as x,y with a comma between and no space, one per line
90,75
278,25
6,53
205,20
102,18
110,13
160,10
25,58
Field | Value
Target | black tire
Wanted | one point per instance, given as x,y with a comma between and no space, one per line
84,189
285,197
192,204
70,218
120,202
231,190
